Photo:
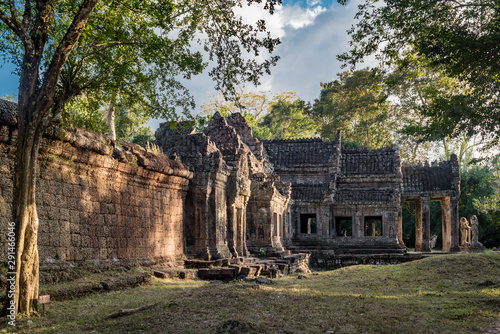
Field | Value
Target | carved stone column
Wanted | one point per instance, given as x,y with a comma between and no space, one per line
232,229
241,217
400,226
446,223
418,225
426,224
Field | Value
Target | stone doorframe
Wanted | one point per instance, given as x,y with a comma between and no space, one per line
450,228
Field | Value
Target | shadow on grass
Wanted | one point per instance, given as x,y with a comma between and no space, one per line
446,294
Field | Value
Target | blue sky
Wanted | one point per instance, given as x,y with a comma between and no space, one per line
10,83
312,32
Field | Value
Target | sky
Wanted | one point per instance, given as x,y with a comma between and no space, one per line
312,33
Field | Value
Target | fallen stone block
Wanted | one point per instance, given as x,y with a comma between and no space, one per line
249,271
197,264
187,274
262,280
166,273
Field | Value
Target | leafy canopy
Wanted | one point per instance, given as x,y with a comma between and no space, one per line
458,37
143,48
357,104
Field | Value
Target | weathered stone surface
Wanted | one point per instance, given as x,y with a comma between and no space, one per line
232,182
8,113
166,273
223,193
250,271
92,206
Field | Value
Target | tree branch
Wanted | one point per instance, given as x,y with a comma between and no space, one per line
18,29
13,10
60,56
27,13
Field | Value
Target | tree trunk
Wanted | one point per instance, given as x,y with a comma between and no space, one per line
35,102
26,221
111,115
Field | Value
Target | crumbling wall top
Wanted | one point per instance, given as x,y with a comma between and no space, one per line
96,143
434,177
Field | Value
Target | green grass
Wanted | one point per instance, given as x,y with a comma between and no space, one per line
442,294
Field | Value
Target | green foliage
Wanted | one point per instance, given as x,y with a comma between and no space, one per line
140,50
256,104
456,38
85,113
357,104
286,120
478,185
130,125
270,115
11,98
413,89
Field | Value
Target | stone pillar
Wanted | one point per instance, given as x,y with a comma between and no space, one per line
454,226
426,224
446,223
400,226
418,225
242,229
232,223
358,226
275,233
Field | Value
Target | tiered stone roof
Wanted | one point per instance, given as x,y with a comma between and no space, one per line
358,161
309,151
443,176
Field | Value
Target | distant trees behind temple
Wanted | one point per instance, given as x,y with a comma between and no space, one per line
270,115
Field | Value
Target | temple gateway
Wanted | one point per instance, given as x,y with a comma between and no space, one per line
248,195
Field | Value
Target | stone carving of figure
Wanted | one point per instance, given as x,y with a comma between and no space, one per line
465,231
474,229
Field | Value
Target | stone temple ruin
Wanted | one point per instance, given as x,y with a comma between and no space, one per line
222,194
306,194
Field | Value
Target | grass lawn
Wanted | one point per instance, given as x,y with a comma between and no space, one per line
457,293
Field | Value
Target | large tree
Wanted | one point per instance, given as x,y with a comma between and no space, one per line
63,48
417,92
356,103
458,37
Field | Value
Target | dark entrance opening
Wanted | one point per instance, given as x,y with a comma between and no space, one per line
373,226
343,226
308,223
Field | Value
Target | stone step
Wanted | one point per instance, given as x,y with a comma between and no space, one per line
175,273
197,264
373,251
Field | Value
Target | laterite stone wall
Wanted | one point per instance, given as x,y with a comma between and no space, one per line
100,200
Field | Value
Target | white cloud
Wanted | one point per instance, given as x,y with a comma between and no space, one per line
312,3
311,39
283,18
